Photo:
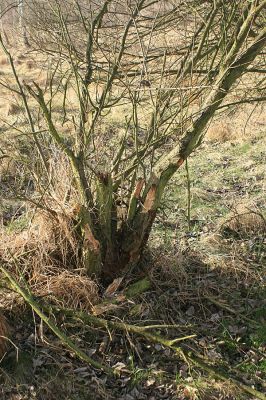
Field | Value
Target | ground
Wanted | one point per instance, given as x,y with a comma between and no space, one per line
208,279
203,275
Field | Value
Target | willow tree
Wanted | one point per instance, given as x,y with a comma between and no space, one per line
138,82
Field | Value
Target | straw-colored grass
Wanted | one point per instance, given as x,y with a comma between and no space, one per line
244,220
220,132
3,60
69,290
46,253
13,109
246,122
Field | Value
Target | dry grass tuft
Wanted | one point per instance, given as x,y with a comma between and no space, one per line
69,290
4,335
47,255
30,65
13,109
237,125
22,57
3,60
56,239
173,266
13,243
48,244
18,61
244,221
220,132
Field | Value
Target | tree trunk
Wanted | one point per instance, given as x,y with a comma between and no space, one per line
125,245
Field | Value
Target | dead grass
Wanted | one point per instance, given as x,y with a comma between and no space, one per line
22,57
220,132
30,65
46,253
246,122
68,290
13,109
48,244
3,60
244,220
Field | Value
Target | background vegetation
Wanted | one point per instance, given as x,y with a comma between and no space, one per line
102,104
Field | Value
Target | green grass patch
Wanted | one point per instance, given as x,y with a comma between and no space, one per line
253,368
18,224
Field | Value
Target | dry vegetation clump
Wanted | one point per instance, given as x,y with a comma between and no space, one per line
220,132
13,109
5,166
22,57
3,60
236,249
56,239
47,245
69,290
175,267
237,124
244,221
29,64
45,252
11,173
230,264
4,335
13,244
172,267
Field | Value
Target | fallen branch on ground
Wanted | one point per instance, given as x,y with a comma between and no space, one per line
187,356
224,306
28,297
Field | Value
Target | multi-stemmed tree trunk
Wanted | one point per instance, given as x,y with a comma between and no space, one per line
127,59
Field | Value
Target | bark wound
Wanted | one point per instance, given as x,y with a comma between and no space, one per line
150,199
91,243
139,187
180,162
91,253
149,214
133,238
